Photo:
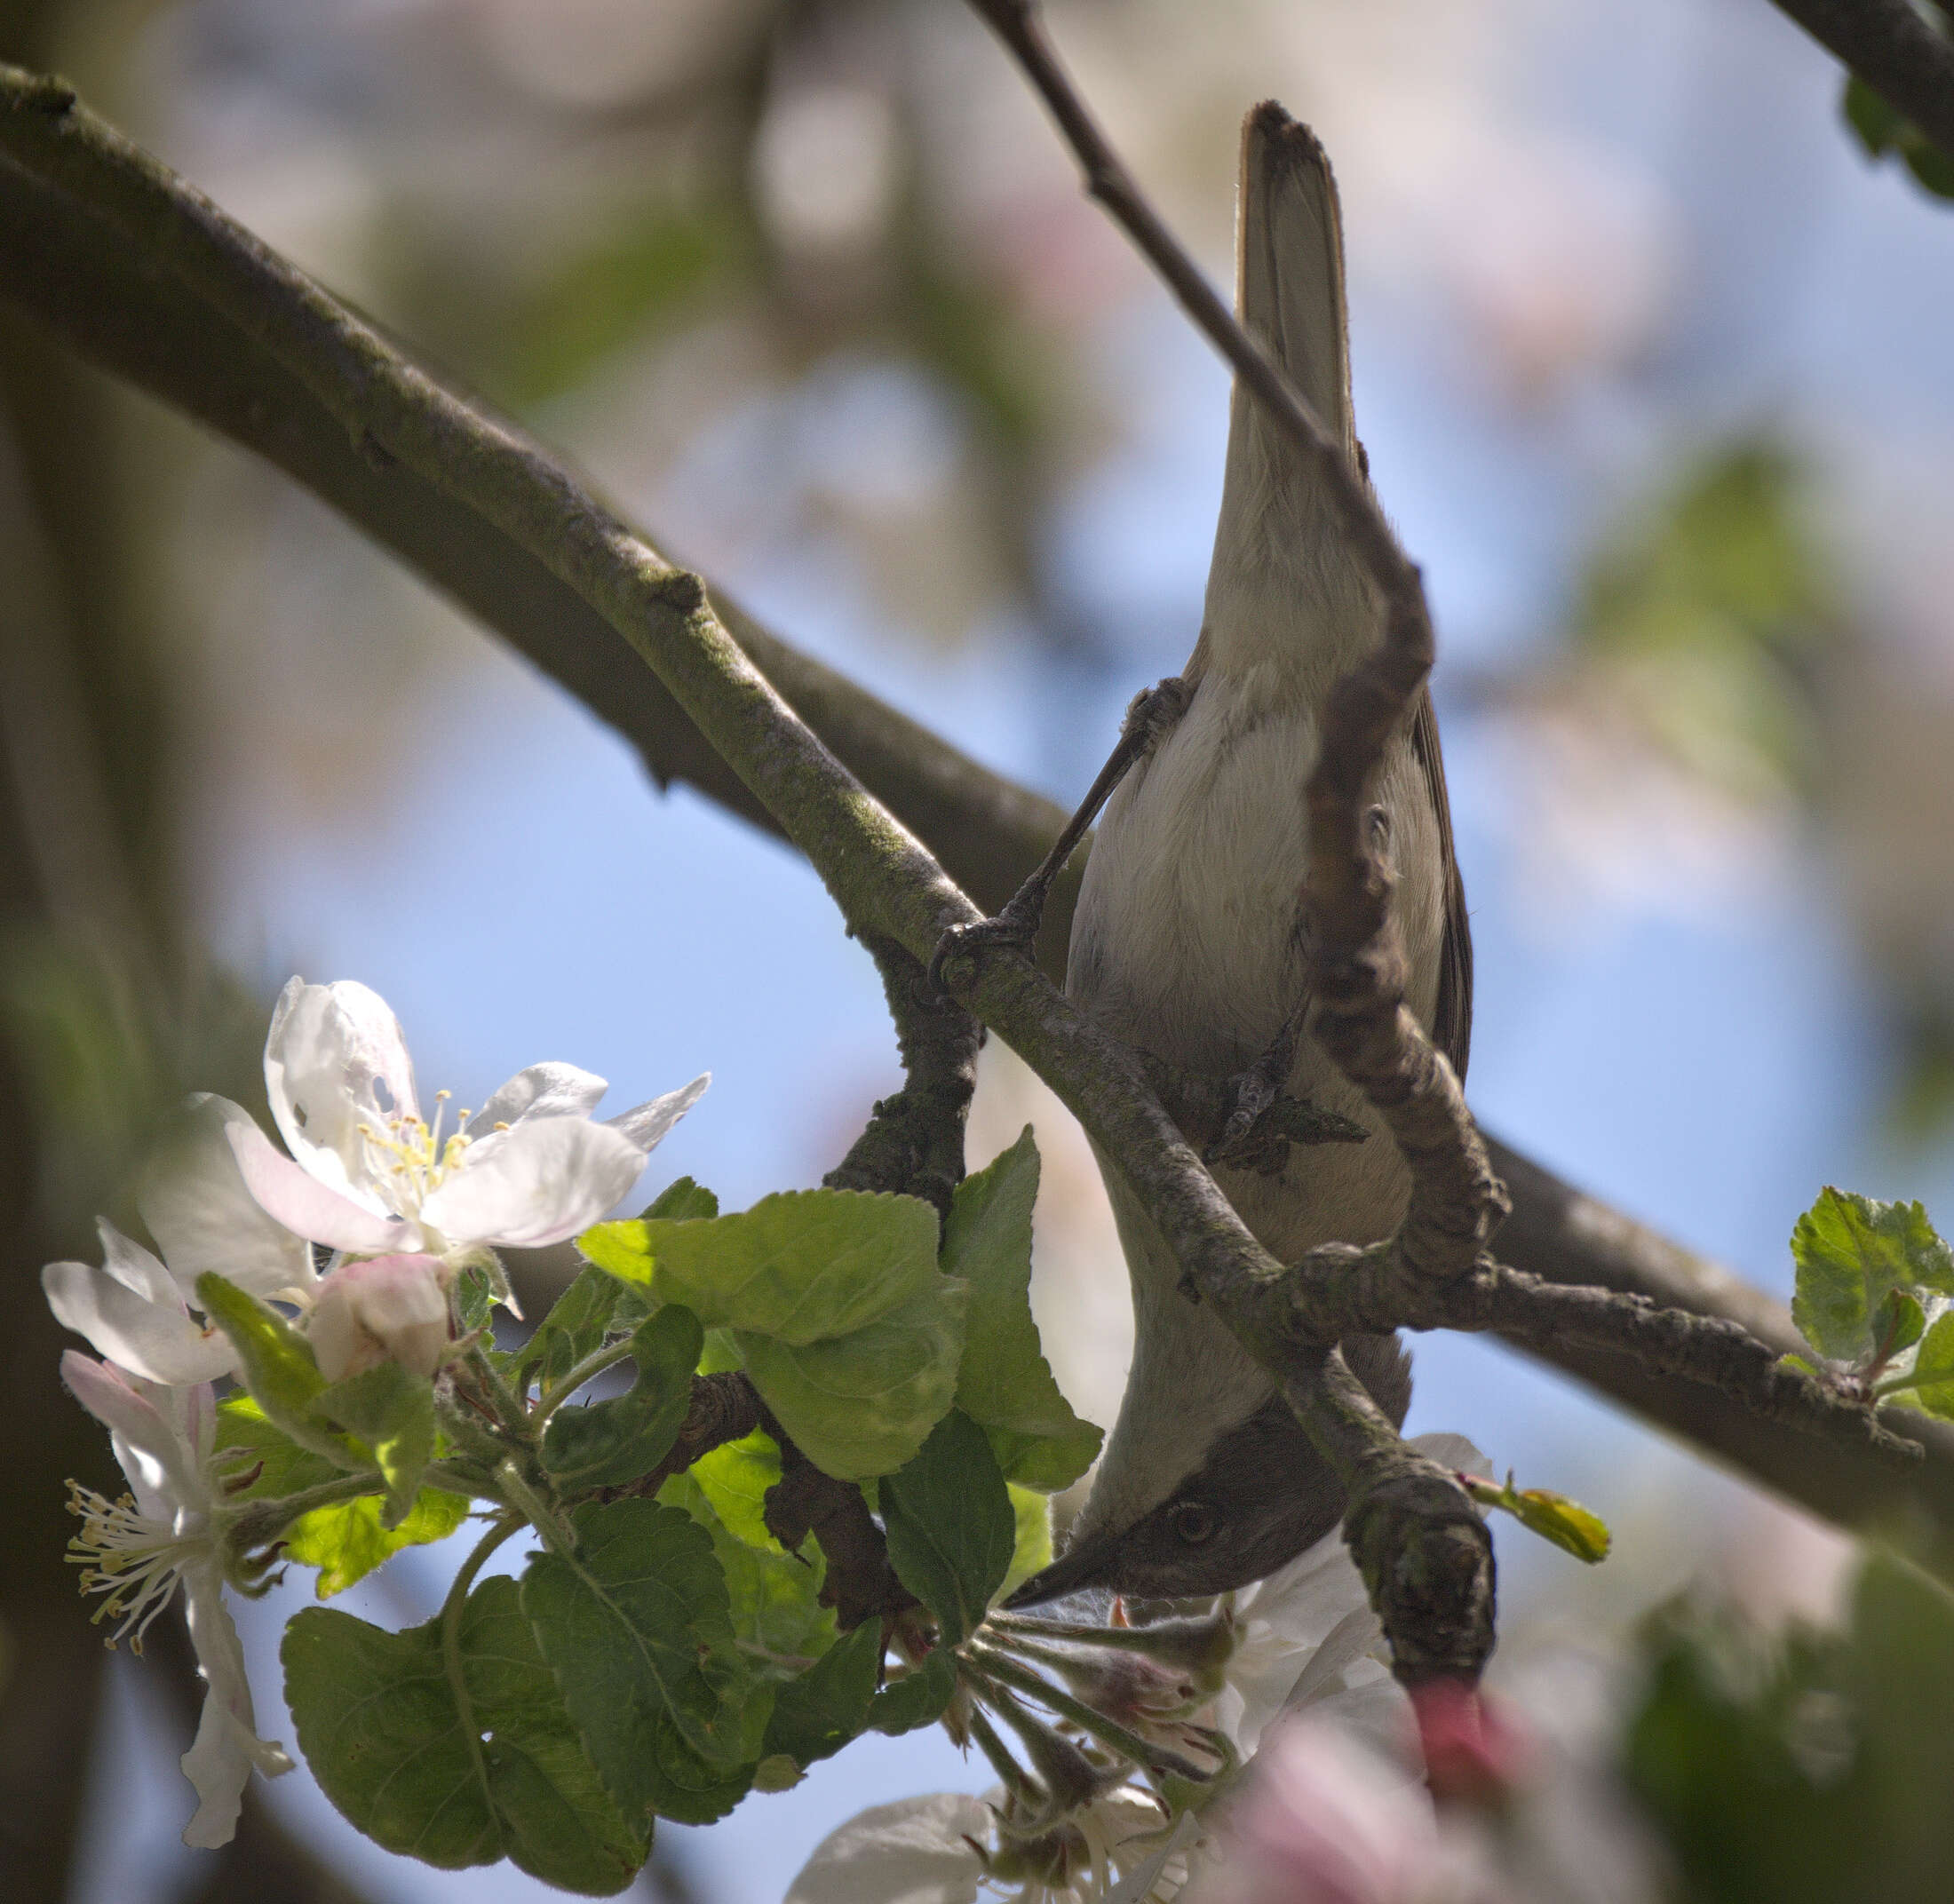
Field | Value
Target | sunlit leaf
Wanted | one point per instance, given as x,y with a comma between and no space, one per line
863,1404
1850,1251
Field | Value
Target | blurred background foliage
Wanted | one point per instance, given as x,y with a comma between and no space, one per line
1651,363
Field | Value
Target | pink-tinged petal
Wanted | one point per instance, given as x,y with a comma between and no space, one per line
303,1204
648,1124
543,1091
193,1198
157,1340
226,1749
1322,1820
534,1183
380,1309
162,1471
335,1059
917,1851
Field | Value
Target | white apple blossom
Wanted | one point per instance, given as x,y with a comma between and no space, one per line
367,1177
164,1534
947,1848
370,1176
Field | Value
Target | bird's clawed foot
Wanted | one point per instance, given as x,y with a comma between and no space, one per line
1261,1123
1014,929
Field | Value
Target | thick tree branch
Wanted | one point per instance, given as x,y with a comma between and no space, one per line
1894,51
109,293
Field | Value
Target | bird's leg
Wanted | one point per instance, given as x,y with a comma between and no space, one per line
1251,1093
1151,716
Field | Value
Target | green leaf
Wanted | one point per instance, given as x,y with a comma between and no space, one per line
346,1541
1878,126
1004,1382
1930,166
684,1201
863,1405
1850,1250
259,1448
574,1327
455,1761
609,1443
1931,1388
474,1298
774,1596
391,1410
801,1266
918,1698
279,1368
950,1525
636,1627
736,1477
818,1712
1553,1516
1897,1324
1032,1547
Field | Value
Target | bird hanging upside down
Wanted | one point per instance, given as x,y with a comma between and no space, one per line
1189,939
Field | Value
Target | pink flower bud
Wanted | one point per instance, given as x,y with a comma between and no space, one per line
1472,1755
380,1309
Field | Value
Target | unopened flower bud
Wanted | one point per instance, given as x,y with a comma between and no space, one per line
1472,1755
381,1309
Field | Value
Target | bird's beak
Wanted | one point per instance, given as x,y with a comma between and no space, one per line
1079,1567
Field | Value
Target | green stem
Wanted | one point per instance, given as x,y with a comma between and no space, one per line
1011,1774
452,1606
256,1523
541,1514
592,1365
1108,1731
508,1404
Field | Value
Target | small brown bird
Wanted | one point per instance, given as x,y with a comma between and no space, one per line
1189,939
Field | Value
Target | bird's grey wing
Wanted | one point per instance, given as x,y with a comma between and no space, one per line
1452,1021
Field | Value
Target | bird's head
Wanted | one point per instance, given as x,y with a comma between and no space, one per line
1260,1495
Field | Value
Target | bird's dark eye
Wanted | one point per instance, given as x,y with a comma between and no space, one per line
1194,1522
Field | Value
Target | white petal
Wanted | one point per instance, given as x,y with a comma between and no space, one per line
303,1204
1138,1887
1453,1451
194,1199
648,1124
162,1469
533,1184
543,1091
335,1059
226,1749
155,1339
908,1852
